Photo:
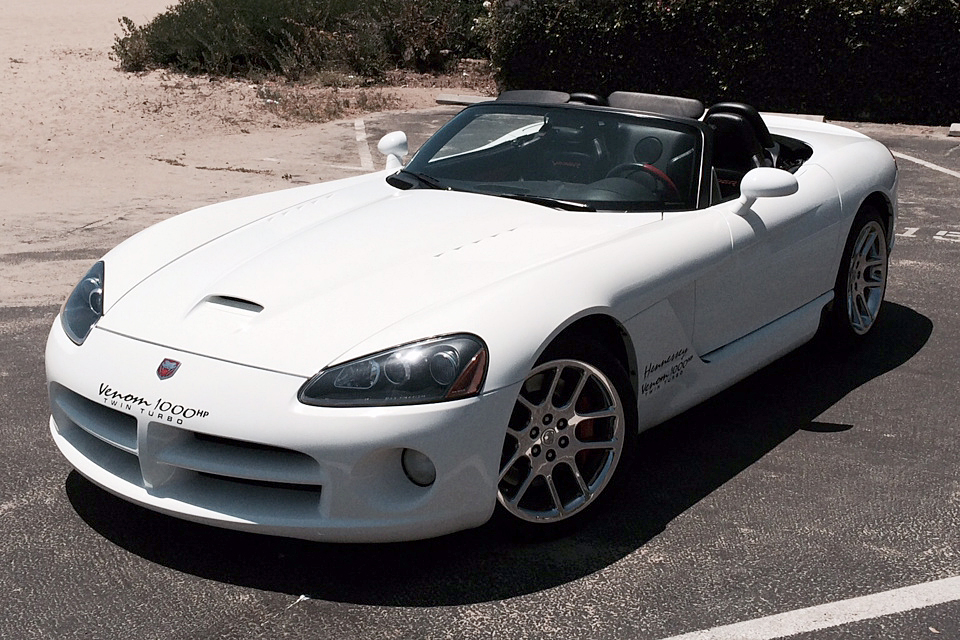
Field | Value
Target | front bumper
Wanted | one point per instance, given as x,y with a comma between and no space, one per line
230,446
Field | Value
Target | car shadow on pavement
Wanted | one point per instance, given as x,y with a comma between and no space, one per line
679,463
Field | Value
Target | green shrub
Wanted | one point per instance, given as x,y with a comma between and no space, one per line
293,37
885,60
427,35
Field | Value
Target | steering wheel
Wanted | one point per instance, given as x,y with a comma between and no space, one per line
627,168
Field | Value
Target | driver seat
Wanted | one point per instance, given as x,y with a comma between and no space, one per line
574,148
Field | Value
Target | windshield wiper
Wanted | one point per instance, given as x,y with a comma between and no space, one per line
566,205
401,180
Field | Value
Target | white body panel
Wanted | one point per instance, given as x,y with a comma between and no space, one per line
258,295
776,263
338,491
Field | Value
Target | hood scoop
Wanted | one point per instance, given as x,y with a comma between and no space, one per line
224,315
232,302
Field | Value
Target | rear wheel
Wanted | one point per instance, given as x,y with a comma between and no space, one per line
862,279
571,431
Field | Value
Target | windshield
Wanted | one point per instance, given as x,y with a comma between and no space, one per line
570,157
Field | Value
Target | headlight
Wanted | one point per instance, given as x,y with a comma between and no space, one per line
434,370
84,306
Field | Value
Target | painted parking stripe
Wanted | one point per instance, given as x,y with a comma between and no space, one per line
834,614
928,165
349,167
366,160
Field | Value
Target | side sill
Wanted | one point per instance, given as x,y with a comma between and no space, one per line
779,337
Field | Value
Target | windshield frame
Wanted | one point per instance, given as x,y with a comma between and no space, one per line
431,156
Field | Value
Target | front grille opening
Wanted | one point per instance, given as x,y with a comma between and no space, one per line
108,424
237,459
242,444
254,501
264,484
117,461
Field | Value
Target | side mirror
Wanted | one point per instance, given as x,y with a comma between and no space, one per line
394,146
766,182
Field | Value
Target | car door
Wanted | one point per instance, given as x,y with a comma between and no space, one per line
782,256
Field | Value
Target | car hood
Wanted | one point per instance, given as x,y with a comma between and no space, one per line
294,290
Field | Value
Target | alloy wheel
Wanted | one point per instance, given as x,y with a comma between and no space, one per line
563,442
866,277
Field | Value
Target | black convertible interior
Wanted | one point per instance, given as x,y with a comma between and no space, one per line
628,151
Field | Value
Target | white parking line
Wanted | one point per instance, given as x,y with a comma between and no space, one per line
346,167
366,160
834,614
928,165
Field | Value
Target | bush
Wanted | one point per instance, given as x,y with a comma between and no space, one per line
427,35
225,37
884,60
293,37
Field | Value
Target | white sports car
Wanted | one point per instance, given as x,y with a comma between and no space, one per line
399,355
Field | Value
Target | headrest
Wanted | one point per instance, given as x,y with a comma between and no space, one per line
731,124
748,113
735,138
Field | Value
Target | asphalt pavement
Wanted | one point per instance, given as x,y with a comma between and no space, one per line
823,478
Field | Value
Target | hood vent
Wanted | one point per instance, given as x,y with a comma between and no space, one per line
476,242
235,303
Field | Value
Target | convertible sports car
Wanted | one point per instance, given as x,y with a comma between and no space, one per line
398,355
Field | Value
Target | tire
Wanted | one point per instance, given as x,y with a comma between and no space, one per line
572,432
862,278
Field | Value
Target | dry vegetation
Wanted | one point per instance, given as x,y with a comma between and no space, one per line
331,96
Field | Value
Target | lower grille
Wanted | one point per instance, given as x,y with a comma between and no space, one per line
242,479
238,459
98,420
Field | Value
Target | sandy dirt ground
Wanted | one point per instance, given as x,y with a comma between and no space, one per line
89,154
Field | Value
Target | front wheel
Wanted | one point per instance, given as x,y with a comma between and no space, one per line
572,427
862,279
